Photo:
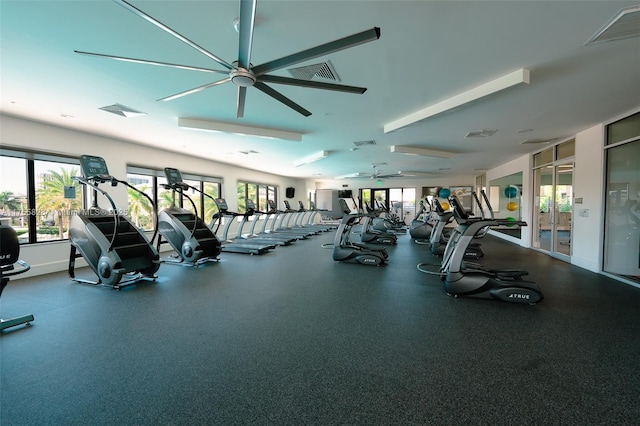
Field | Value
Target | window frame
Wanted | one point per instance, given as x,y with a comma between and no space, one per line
31,157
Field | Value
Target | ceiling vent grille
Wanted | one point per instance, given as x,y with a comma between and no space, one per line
323,71
122,110
481,134
537,141
364,143
625,23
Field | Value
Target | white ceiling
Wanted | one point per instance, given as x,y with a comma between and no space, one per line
428,51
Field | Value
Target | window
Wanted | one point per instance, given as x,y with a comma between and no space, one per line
625,129
258,192
622,199
152,182
38,194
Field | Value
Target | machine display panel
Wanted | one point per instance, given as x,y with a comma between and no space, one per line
173,176
93,167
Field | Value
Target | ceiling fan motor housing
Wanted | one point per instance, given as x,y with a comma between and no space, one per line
242,77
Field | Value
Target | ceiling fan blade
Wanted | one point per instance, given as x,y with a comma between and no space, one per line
247,22
314,52
174,33
195,90
242,94
312,84
147,62
280,97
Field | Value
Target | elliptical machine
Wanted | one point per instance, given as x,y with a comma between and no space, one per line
344,250
189,236
111,245
473,280
9,256
439,240
420,229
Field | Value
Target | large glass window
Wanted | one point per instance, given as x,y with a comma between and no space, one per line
53,209
139,209
259,193
153,182
13,195
38,194
622,211
400,202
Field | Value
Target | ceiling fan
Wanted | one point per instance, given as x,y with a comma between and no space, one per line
244,74
377,174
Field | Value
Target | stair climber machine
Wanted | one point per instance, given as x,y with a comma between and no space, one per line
439,240
117,251
9,256
344,250
420,227
192,240
235,246
474,280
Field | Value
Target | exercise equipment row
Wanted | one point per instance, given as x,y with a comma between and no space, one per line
462,278
119,253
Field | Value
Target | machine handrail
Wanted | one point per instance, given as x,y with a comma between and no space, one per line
153,206
116,217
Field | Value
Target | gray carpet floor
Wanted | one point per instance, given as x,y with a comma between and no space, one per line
294,338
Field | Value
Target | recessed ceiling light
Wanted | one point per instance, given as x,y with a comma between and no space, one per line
417,150
242,130
502,83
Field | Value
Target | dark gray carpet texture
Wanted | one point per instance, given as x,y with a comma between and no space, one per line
294,338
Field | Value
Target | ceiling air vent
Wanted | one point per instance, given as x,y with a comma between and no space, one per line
537,141
324,71
480,134
122,110
625,23
363,143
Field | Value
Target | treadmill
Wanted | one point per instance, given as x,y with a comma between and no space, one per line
281,240
235,246
276,224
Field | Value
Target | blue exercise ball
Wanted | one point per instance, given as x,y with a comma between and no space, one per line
444,193
511,192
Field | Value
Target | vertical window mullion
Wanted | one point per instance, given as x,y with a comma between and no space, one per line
31,200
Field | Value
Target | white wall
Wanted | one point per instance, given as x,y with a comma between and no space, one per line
51,257
587,232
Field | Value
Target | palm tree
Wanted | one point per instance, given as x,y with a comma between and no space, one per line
10,205
50,195
8,201
139,207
